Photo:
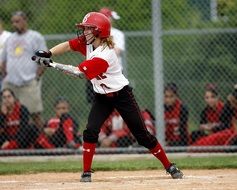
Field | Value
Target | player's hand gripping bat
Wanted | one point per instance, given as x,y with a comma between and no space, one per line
43,58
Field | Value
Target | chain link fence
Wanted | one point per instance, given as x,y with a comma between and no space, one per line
198,68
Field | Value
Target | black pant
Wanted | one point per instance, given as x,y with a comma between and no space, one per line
27,136
90,94
124,102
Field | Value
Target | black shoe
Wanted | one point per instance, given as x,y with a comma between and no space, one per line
174,172
85,177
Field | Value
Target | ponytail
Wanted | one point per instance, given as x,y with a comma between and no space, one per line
108,42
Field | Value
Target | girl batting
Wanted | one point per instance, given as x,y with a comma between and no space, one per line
112,90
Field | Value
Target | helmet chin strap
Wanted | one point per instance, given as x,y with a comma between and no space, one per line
91,40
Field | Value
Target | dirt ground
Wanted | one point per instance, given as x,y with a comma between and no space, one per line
124,180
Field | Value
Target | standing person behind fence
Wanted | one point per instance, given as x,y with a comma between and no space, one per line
119,46
176,117
4,35
15,130
223,131
210,115
111,88
60,130
21,74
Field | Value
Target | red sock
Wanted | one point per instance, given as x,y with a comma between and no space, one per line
88,153
159,153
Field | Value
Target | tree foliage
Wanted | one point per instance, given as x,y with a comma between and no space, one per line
60,16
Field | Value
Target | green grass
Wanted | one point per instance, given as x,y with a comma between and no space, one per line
138,164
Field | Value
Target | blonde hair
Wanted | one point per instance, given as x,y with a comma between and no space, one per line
108,42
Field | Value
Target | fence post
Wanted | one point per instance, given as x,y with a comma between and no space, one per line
158,69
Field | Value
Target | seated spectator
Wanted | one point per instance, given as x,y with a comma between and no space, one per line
61,130
176,118
115,133
210,115
15,131
223,132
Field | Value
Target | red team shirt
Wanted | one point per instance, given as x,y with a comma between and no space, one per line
13,122
210,115
15,125
101,67
225,117
67,127
176,130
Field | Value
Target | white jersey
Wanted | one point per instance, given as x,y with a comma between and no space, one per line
17,54
113,79
119,41
3,38
118,38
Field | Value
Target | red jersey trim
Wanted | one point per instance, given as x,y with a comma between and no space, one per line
94,67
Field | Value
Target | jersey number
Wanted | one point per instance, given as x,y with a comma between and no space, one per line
101,76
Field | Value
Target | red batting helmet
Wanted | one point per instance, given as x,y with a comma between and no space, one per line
99,22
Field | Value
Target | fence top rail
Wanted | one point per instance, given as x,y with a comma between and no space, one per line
129,150
199,31
149,33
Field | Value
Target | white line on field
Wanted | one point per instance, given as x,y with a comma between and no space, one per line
135,176
12,181
199,177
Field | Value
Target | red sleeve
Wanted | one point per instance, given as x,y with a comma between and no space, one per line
78,44
94,67
68,129
11,145
53,123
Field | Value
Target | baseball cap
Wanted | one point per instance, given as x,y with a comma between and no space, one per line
20,13
109,13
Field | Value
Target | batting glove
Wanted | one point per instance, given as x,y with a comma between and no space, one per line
42,58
